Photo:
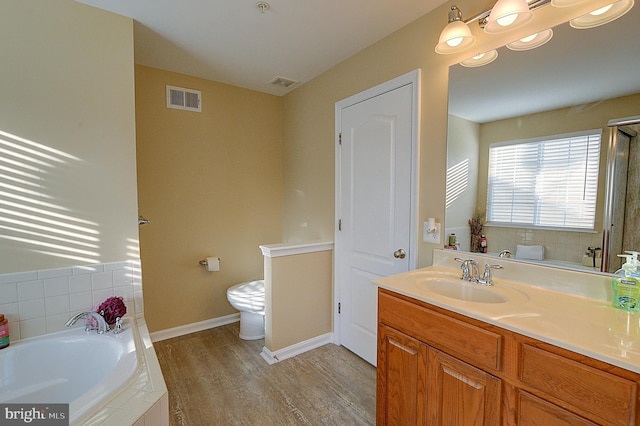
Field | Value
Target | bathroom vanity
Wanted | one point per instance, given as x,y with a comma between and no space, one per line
451,352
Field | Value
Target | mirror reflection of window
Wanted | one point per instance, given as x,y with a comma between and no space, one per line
545,182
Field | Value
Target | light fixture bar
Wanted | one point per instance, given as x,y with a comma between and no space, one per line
483,16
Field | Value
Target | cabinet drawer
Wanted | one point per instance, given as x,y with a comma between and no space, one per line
473,344
535,411
605,396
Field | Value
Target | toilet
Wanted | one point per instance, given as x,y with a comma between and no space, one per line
248,298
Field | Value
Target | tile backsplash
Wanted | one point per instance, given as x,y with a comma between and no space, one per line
567,246
40,302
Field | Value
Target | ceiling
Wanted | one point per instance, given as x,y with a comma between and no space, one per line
575,67
231,41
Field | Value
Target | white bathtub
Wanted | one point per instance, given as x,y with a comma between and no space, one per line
81,368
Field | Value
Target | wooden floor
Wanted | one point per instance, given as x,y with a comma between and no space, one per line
214,378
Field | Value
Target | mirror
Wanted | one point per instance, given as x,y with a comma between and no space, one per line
578,81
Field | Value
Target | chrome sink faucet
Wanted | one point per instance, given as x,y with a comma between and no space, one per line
469,269
103,327
487,279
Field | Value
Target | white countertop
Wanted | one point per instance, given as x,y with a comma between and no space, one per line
588,326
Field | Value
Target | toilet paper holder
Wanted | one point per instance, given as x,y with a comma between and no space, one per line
204,262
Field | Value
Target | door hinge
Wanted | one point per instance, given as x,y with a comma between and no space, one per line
340,138
339,224
338,307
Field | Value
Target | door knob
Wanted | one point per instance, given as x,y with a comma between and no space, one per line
399,254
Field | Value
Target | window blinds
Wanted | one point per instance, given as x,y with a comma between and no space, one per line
547,183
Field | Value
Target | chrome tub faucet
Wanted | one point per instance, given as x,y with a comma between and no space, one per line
505,253
103,327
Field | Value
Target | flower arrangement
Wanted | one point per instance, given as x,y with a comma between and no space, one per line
110,309
475,224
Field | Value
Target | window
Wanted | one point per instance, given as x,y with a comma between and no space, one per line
550,182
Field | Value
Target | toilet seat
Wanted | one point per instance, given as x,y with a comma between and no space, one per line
248,296
249,288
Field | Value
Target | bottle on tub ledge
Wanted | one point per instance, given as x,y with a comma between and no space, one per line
483,244
4,332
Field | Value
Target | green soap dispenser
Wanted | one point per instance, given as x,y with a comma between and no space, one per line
626,286
634,262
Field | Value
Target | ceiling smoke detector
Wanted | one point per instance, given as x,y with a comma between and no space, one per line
263,6
284,82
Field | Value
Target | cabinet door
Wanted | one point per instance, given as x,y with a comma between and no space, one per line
401,380
537,412
460,394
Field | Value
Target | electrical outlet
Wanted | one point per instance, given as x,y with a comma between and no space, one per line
431,236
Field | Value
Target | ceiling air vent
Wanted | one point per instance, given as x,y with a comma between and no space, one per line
284,82
186,99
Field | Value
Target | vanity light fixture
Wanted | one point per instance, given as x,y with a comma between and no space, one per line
603,15
507,15
481,59
531,42
456,36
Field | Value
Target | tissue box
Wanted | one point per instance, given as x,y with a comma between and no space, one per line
530,252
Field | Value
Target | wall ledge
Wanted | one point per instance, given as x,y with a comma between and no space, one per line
289,249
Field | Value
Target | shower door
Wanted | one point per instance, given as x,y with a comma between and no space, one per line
622,209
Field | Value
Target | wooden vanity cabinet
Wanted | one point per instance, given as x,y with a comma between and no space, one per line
436,367
404,376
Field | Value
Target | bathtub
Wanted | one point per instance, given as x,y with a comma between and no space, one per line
83,369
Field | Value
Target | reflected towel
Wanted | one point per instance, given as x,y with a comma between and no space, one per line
530,252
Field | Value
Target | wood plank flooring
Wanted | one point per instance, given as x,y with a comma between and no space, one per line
214,378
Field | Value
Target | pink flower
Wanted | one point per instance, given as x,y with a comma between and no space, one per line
111,309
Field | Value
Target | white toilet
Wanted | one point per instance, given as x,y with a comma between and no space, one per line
248,298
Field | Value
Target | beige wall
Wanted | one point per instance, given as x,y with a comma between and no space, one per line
462,178
299,292
309,116
67,105
211,184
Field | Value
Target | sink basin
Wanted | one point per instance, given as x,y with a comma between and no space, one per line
446,285
466,291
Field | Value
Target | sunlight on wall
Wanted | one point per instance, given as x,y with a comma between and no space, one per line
457,181
29,215
133,252
133,248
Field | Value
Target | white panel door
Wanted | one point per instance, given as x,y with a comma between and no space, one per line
374,205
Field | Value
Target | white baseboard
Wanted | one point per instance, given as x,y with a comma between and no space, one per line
169,333
297,349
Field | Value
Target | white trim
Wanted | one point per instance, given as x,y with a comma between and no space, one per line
297,349
289,249
181,330
410,78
